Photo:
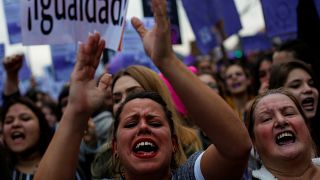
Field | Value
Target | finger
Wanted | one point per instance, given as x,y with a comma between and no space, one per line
160,12
104,82
99,51
138,25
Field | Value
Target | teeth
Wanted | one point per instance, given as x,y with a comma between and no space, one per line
144,144
285,134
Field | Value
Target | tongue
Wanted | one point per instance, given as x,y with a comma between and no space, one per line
144,154
285,141
18,139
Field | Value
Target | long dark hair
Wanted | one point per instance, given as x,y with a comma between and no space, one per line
46,132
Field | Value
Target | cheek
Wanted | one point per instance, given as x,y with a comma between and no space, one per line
263,135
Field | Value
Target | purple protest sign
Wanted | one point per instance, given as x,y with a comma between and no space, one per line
12,13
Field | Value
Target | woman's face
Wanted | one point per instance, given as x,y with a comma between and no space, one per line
122,87
21,129
210,81
301,85
264,71
280,132
236,80
143,140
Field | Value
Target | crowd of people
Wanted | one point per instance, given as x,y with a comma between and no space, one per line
211,119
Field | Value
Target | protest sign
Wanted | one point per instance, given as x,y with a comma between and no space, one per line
61,21
12,13
2,53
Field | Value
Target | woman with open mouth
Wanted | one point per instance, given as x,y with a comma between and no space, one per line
281,137
144,141
298,78
26,136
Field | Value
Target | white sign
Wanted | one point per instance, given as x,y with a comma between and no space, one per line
69,21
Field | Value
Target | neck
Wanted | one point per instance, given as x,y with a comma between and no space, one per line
148,176
293,169
28,164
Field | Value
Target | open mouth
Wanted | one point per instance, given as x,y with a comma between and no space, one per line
308,104
17,136
145,149
285,138
236,85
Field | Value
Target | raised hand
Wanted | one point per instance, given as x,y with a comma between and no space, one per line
85,97
12,64
157,41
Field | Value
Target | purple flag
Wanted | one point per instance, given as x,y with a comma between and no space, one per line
227,12
63,59
259,42
280,16
197,12
12,13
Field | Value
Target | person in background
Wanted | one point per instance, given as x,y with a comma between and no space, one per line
298,78
262,74
238,88
144,140
280,135
26,136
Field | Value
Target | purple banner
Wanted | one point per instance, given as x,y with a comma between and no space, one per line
12,13
63,60
280,16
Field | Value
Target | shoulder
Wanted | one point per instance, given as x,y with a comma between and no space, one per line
187,170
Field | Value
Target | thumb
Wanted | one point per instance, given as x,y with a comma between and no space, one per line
138,25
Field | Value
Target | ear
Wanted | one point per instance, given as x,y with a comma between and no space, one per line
114,146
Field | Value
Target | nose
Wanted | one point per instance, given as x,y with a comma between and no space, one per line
307,89
143,127
16,123
281,121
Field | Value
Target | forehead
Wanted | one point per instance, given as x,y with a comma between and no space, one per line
298,73
206,78
142,106
265,64
18,107
234,68
125,82
273,101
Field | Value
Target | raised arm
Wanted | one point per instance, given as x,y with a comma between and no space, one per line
211,113
12,65
61,157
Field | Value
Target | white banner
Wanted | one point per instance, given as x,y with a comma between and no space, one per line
69,21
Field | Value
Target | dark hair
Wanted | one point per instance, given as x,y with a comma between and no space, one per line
256,81
250,115
280,72
299,50
144,95
46,132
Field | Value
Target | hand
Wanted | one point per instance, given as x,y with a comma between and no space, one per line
90,136
85,97
157,41
263,87
12,64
